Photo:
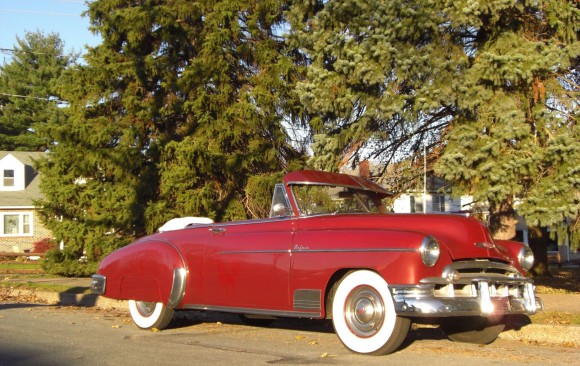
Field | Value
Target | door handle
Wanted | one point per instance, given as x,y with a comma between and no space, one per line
217,230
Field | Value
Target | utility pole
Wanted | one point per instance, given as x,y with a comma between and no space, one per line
424,179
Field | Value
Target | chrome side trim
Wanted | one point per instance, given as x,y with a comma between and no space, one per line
254,251
177,288
302,249
98,284
356,250
250,311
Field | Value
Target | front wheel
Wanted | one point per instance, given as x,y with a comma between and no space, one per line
476,329
149,315
363,314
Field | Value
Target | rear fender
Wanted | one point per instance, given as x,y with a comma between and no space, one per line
152,271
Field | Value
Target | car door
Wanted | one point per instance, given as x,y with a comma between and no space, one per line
247,264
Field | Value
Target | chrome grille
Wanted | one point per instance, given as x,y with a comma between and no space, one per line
481,268
502,280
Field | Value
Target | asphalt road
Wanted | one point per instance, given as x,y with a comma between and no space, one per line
42,335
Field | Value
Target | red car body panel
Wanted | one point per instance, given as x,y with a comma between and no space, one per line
243,269
145,271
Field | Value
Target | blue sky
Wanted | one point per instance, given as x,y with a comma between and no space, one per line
49,16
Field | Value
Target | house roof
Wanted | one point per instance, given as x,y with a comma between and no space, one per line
32,190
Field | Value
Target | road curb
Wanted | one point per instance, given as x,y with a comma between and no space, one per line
564,335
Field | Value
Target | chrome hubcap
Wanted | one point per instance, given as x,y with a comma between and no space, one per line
145,308
364,311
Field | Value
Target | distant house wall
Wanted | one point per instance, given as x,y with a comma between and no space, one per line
12,174
22,239
434,203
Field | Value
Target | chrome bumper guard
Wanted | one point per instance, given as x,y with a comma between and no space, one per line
98,284
480,296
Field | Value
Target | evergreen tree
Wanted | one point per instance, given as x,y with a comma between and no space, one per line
516,135
29,96
173,113
380,79
486,86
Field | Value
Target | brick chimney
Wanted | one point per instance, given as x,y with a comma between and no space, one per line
364,169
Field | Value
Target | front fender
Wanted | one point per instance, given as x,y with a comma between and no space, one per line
511,249
150,270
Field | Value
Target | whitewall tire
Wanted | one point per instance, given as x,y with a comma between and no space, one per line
363,314
149,315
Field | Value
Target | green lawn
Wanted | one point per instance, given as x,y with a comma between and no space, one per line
556,317
18,266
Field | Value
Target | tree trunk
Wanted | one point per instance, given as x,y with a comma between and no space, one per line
539,245
502,221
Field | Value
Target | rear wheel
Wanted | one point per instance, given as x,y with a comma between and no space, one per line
148,315
476,329
363,314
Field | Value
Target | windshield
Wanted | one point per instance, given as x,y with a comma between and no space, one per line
317,200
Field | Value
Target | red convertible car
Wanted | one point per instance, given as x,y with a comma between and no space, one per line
329,250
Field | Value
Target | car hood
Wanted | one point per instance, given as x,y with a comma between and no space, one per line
464,237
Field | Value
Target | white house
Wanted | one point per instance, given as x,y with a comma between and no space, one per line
20,226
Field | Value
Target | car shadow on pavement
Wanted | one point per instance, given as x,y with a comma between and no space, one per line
517,322
75,296
20,305
182,319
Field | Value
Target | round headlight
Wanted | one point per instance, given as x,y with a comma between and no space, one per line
429,251
526,258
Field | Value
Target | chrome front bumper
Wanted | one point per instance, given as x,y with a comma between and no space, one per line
98,284
481,297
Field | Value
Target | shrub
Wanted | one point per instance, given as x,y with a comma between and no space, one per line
67,263
43,246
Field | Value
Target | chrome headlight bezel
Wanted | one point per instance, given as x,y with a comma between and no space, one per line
430,251
526,258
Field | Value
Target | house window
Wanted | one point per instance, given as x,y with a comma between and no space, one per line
416,204
8,178
26,224
14,224
438,202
